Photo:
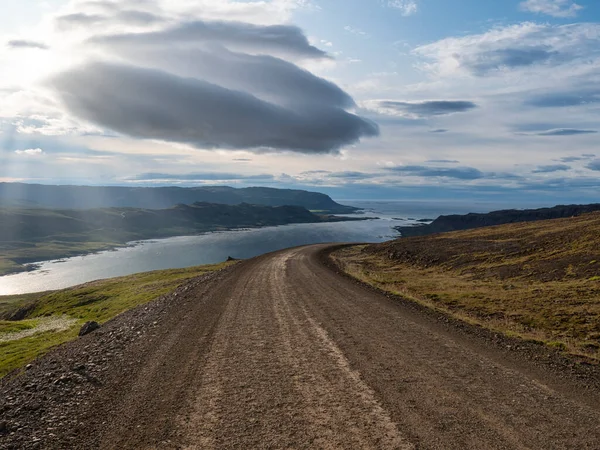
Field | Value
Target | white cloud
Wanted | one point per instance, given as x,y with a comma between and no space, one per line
30,152
555,8
356,31
515,48
406,7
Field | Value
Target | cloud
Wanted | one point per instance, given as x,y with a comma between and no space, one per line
555,8
418,110
406,7
575,97
205,176
443,161
76,20
152,104
356,31
565,132
269,78
512,48
114,15
281,40
23,43
461,173
439,130
569,159
594,165
551,168
351,175
315,172
210,84
30,152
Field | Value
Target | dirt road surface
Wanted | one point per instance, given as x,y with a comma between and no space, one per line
282,352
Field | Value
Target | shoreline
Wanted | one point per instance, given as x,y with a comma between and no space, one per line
24,265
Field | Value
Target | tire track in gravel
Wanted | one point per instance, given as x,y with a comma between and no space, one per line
275,380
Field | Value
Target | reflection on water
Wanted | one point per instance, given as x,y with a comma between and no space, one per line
216,247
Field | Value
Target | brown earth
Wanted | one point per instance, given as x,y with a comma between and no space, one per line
538,280
281,351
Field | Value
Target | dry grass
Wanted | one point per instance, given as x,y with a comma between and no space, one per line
538,281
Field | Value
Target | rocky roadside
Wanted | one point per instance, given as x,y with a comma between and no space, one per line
52,401
575,370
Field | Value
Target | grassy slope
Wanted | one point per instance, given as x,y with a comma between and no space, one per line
98,301
538,281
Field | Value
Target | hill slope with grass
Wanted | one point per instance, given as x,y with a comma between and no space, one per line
31,324
538,281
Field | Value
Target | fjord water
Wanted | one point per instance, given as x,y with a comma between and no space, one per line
211,248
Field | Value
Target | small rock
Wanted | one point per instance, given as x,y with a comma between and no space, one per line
88,327
3,427
28,366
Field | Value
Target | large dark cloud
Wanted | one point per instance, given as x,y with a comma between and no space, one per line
22,43
211,84
152,104
421,109
269,78
274,39
552,168
461,173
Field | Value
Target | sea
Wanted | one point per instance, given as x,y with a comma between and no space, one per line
209,248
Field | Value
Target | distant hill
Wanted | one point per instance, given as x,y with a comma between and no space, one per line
475,220
86,197
37,234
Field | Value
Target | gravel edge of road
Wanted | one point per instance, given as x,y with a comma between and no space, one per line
42,403
583,374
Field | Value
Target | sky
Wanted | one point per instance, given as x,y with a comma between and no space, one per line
361,99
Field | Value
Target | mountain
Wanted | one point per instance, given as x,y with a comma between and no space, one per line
475,220
87,197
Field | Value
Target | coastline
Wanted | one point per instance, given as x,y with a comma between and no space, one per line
30,264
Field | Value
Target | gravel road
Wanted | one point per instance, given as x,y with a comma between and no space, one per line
280,351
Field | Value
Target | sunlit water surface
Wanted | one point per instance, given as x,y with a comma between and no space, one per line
211,248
